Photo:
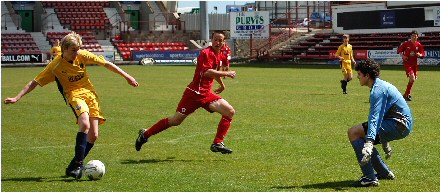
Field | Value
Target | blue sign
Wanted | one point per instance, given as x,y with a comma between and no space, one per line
23,2
249,27
387,19
233,8
333,62
432,53
167,57
130,2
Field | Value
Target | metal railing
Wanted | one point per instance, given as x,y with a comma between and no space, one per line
16,19
114,27
258,48
47,22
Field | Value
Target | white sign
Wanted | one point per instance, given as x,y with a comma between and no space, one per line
436,11
245,24
383,54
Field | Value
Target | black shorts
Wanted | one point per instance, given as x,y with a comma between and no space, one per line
377,139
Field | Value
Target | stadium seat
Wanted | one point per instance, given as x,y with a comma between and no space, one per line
319,45
91,14
18,43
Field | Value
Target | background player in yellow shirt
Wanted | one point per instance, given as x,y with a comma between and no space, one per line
345,55
69,71
55,50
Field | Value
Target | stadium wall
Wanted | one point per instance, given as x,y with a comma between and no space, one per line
377,18
216,22
284,12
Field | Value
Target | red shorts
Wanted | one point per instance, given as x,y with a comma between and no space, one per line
411,69
191,101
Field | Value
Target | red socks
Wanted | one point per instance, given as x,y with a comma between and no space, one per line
408,88
156,128
223,128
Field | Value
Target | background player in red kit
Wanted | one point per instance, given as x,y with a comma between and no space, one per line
410,51
198,94
226,51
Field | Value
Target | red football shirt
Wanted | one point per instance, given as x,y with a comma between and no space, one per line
226,52
410,50
206,60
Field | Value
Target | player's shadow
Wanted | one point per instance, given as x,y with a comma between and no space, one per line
321,94
336,185
39,179
24,179
167,160
144,161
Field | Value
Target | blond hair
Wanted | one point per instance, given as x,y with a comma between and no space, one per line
71,39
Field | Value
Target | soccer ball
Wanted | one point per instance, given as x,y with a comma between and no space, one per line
195,61
94,170
147,61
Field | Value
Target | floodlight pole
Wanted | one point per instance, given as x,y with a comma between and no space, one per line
308,16
204,24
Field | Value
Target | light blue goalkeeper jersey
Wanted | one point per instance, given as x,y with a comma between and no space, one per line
390,116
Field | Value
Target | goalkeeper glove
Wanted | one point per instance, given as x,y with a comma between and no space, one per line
366,152
387,149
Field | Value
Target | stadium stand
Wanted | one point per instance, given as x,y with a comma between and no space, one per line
125,48
319,45
81,16
7,18
430,40
72,4
89,41
18,43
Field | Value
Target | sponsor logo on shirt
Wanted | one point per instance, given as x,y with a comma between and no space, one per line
76,77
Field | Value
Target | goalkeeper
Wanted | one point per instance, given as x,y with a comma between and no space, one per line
389,119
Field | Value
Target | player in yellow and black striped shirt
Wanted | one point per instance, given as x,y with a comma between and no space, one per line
69,72
345,55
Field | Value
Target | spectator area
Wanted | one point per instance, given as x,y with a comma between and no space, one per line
318,46
18,43
81,15
125,49
89,41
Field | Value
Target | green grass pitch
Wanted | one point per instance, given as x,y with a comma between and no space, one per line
289,132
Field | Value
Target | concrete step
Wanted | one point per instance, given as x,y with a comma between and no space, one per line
41,41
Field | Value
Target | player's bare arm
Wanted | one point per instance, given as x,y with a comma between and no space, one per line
214,73
28,88
222,86
131,80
